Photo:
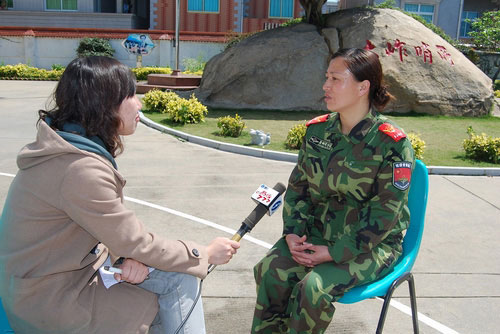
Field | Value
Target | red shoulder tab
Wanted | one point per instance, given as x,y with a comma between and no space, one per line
319,119
392,132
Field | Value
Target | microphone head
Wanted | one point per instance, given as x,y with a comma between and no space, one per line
267,196
261,209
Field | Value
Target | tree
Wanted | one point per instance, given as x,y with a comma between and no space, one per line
486,34
93,46
312,10
486,31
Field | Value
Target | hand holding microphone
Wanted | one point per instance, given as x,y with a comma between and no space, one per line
221,250
269,200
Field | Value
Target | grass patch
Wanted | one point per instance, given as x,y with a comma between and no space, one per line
443,135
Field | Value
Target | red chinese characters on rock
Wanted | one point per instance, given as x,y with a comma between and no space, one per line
424,51
398,45
444,54
369,45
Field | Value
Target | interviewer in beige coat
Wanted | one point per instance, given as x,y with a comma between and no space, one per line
64,216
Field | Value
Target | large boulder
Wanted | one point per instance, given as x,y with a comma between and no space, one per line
281,68
284,68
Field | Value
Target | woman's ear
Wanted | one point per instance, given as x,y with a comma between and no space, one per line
364,87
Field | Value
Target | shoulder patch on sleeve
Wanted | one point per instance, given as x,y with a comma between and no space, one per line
392,132
319,119
401,175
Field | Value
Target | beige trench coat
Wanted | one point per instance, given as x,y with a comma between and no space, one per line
63,216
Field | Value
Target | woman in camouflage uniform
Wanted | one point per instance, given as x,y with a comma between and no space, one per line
346,204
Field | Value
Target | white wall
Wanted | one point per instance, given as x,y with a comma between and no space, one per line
43,52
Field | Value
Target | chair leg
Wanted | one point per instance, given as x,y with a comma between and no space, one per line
387,300
413,301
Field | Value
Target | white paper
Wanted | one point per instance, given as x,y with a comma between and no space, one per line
108,277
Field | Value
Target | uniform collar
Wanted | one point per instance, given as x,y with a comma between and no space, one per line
359,131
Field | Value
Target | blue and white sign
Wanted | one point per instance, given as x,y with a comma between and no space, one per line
138,44
276,204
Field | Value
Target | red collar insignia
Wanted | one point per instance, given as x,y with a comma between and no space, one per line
319,119
392,132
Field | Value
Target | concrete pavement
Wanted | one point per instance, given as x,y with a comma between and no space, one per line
457,272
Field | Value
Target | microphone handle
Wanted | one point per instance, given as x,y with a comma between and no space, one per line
244,228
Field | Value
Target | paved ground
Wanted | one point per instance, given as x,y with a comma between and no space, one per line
457,272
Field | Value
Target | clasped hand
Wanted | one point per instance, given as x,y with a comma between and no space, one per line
305,253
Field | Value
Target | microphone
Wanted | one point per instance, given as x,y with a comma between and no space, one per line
268,201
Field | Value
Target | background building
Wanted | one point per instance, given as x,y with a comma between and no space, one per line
449,15
224,15
116,14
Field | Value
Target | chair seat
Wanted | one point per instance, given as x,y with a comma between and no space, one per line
377,288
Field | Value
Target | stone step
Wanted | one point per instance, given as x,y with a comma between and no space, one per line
143,87
174,80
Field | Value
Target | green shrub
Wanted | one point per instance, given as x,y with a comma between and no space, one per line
434,28
387,4
141,73
23,71
230,126
194,65
93,46
471,54
418,145
482,148
156,101
200,72
392,4
295,136
486,31
57,67
496,86
233,38
497,93
292,22
186,111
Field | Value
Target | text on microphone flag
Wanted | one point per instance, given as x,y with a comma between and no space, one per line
265,195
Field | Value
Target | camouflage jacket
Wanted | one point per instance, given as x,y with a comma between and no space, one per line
350,192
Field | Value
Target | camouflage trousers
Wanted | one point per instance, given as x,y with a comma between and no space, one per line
294,299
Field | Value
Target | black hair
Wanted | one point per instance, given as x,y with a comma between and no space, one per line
365,65
89,93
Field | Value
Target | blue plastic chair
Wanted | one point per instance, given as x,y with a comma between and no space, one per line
401,272
4,323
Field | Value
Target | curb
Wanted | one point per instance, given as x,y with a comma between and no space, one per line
292,157
232,148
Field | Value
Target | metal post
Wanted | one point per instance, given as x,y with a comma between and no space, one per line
177,41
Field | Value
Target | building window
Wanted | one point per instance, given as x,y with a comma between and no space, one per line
425,11
465,27
61,5
211,6
281,8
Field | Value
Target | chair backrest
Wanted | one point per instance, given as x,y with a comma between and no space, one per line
4,323
417,202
